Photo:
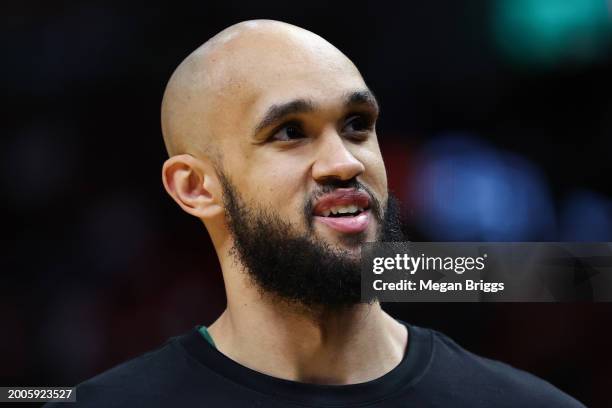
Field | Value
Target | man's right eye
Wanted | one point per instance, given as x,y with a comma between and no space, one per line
287,133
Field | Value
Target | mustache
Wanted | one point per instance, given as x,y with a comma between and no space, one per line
333,184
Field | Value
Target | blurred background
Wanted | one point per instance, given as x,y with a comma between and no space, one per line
496,125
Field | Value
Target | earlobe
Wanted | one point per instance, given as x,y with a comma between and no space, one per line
192,185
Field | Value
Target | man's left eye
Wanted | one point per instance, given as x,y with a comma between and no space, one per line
357,123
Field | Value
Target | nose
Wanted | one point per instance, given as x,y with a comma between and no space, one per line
335,161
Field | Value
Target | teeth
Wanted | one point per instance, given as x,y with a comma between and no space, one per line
344,209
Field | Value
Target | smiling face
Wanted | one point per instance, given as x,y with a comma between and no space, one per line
298,118
297,181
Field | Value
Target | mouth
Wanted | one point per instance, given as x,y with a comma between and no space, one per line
344,210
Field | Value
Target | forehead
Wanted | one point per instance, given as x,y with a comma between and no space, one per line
256,72
325,90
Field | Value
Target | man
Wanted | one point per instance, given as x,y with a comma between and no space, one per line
271,135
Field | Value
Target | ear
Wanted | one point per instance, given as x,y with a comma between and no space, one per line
194,185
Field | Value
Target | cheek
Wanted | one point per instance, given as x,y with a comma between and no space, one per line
376,174
279,188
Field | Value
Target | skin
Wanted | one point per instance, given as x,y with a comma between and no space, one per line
213,103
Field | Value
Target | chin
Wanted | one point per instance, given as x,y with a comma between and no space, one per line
352,243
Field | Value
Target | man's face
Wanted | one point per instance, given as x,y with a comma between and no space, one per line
300,142
292,128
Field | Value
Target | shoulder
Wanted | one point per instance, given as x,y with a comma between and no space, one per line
489,379
142,381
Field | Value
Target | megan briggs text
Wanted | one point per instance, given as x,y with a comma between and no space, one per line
421,285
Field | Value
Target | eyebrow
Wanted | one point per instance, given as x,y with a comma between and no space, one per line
365,97
278,112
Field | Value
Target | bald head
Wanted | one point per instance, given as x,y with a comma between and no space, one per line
268,116
232,72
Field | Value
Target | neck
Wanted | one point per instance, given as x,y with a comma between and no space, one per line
341,346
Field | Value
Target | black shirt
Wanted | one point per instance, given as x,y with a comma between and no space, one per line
435,372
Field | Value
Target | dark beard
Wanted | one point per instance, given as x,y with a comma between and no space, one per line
294,267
